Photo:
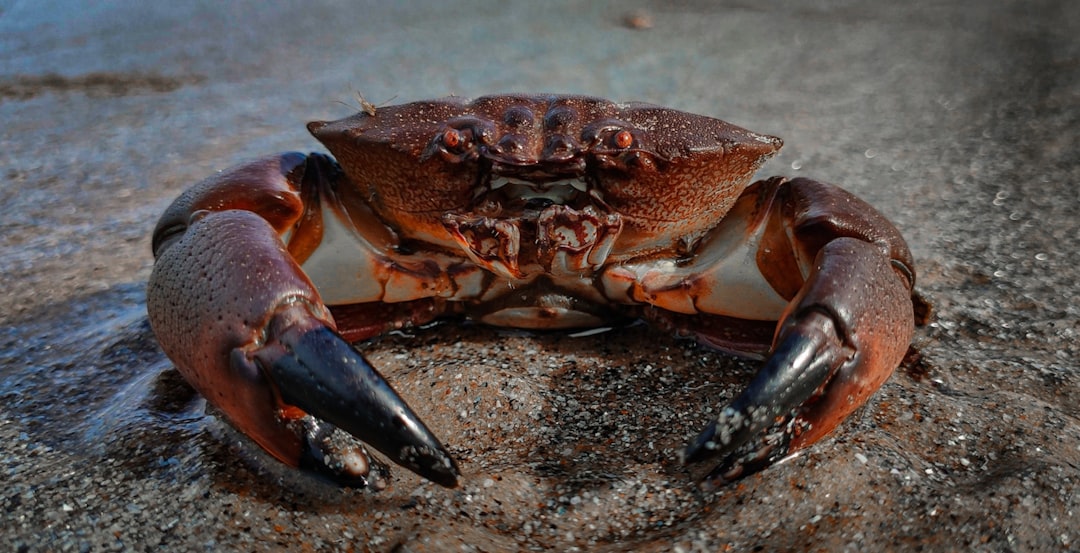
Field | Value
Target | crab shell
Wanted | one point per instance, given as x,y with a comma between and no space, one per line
670,175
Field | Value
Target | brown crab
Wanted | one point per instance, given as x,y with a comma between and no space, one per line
531,211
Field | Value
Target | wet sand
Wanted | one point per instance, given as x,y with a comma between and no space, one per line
959,122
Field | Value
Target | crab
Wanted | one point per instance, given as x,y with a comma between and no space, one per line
540,212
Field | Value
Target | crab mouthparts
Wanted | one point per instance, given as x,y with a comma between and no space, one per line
525,195
542,223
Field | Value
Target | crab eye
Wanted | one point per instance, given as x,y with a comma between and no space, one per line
451,138
459,140
623,139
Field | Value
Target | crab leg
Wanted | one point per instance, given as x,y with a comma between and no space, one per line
244,325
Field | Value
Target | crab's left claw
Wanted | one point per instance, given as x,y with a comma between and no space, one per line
841,337
802,362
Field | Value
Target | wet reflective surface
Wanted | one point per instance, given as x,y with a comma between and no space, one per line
957,121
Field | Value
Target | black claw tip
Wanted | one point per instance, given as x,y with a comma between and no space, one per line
435,465
736,426
701,447
802,361
322,374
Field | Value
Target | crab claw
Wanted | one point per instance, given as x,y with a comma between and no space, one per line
799,366
835,346
245,326
316,370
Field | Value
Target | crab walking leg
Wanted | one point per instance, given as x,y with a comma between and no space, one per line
247,329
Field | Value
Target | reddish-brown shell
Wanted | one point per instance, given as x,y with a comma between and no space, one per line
668,173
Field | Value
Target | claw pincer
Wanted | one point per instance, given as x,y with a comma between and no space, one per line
532,211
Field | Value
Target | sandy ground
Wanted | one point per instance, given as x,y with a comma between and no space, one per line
958,120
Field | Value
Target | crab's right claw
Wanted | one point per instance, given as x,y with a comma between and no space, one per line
316,370
246,327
